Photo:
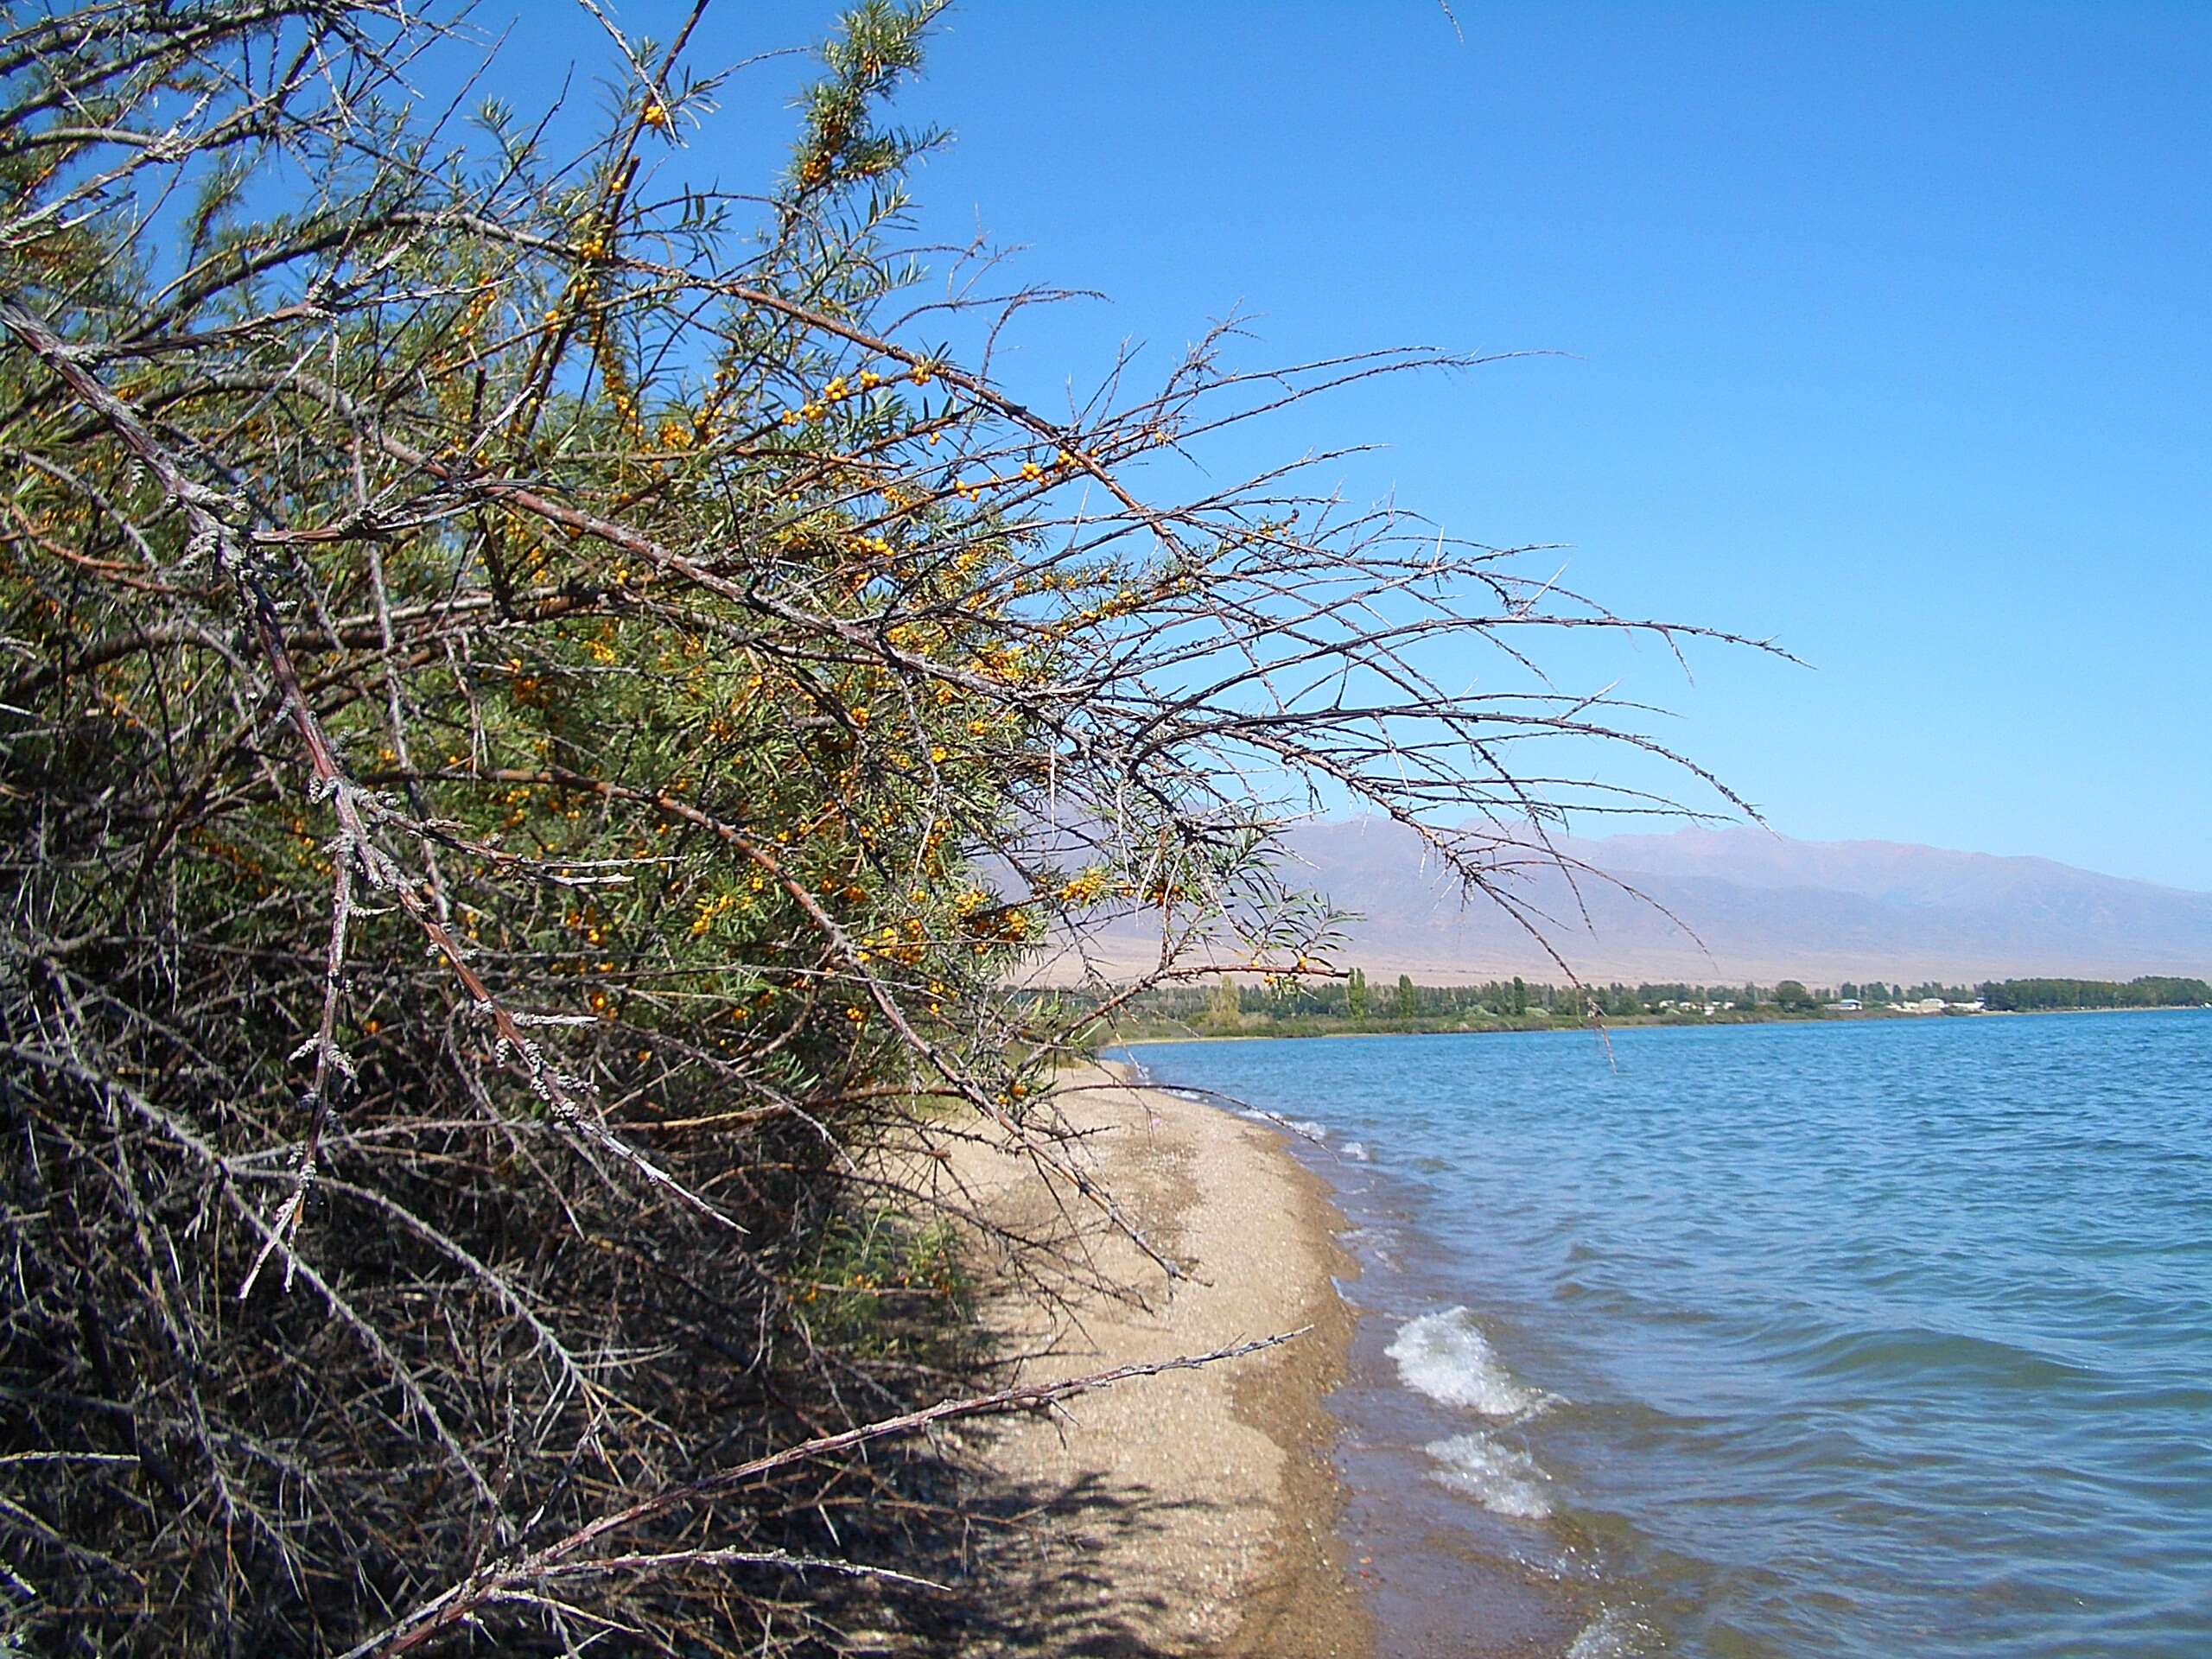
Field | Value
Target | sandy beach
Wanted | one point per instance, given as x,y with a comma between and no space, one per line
1191,1513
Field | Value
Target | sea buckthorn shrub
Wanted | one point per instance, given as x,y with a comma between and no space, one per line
551,721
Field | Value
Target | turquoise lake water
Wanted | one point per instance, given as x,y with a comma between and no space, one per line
1883,1338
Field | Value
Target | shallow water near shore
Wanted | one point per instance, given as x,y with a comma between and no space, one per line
1771,1340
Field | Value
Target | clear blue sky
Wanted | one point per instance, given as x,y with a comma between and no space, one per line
1891,333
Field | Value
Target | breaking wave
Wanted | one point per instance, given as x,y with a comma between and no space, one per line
1502,1479
1445,1356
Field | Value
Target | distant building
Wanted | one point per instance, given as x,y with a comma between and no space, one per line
1848,1004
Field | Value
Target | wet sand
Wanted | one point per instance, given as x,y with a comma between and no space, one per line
1192,1513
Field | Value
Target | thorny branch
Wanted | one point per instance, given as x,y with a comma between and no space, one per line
561,731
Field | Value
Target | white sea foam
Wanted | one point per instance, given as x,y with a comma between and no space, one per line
1357,1150
1502,1479
1381,1242
1304,1126
1611,1635
1445,1356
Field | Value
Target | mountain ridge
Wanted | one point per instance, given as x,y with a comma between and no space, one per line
1761,905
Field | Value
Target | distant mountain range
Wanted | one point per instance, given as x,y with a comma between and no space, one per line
1761,906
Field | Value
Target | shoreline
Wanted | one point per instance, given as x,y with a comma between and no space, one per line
1594,1483
1194,1513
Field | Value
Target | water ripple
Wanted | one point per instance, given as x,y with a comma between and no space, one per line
1857,1340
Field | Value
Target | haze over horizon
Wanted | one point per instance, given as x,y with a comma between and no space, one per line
1774,832
1724,905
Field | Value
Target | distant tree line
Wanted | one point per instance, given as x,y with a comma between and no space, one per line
1305,1004
2151,991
